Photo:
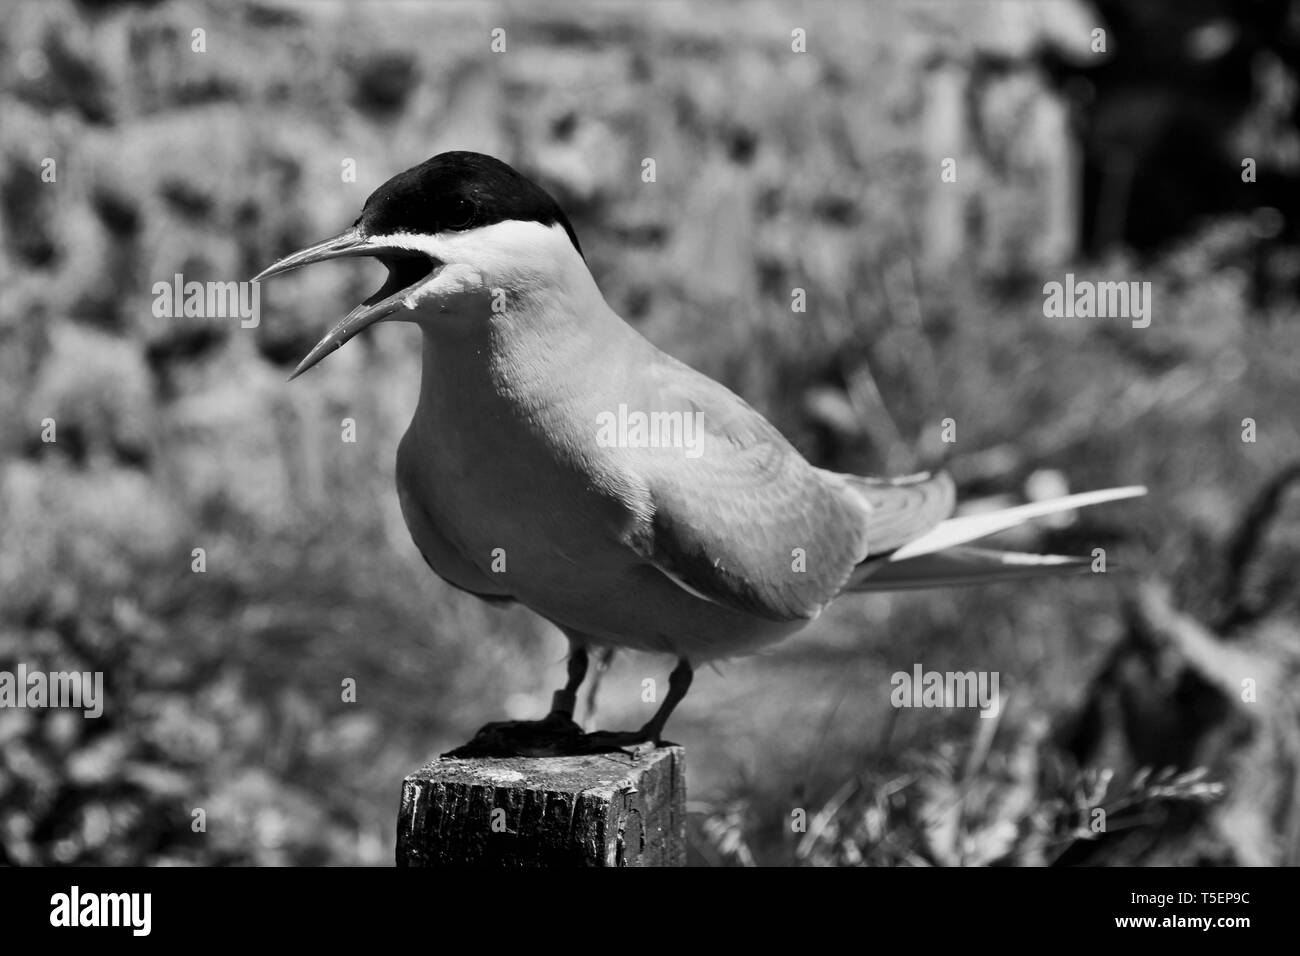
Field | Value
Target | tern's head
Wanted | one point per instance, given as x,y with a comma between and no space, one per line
457,233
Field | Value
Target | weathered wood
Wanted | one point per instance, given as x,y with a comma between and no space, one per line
599,810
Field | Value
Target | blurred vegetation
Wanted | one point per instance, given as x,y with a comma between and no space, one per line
775,171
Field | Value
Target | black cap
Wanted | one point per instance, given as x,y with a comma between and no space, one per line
458,191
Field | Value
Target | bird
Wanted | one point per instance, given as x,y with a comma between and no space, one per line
558,459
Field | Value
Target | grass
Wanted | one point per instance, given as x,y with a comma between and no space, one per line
775,172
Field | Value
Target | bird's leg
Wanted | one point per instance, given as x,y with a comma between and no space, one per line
563,701
554,735
602,665
679,682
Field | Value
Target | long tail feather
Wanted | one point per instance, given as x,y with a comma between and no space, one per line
960,566
966,528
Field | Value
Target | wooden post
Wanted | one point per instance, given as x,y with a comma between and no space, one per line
599,810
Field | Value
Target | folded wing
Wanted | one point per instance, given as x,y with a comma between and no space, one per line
747,523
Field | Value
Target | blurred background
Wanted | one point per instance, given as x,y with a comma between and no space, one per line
776,170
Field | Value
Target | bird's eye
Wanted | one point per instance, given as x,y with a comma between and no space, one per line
459,213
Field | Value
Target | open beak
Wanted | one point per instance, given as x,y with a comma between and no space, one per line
405,269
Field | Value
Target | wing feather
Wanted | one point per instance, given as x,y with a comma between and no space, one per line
748,523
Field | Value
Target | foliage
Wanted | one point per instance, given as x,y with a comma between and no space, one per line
775,171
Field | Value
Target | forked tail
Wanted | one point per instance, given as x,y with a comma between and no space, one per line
941,556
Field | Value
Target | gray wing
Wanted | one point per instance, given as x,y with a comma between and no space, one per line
749,523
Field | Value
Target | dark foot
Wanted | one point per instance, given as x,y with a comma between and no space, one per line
554,736
634,742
